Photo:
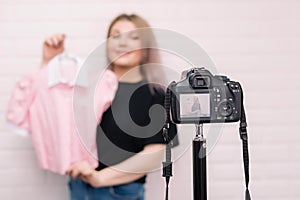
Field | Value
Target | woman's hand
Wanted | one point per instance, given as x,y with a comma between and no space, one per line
87,173
53,46
80,169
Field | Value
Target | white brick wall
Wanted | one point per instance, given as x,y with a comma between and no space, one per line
255,42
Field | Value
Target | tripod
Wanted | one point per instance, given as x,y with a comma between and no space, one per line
199,164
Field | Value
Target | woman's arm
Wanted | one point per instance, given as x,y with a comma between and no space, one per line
129,170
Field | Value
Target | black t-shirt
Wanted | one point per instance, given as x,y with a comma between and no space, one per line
134,120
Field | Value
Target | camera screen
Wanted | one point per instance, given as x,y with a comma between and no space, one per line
194,105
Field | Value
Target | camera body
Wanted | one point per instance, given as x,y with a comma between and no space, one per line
201,97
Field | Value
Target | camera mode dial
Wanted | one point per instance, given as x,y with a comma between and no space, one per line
225,108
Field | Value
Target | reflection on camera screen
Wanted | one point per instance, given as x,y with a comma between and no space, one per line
194,105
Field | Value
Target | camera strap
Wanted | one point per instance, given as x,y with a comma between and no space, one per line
167,165
244,138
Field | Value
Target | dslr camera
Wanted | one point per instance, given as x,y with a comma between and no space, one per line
201,97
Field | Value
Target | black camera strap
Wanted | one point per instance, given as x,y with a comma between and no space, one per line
244,138
167,165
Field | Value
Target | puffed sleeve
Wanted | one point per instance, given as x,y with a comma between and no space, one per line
20,102
105,93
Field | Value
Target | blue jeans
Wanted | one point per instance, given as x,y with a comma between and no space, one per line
80,190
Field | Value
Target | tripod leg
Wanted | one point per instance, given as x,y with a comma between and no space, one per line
199,168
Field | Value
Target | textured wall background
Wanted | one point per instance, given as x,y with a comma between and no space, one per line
256,42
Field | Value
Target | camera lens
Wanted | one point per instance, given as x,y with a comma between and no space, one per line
225,109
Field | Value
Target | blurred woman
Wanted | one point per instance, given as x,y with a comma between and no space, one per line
129,137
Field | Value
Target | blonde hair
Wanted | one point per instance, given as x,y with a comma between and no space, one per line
150,64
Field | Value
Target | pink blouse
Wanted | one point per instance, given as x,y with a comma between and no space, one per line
55,112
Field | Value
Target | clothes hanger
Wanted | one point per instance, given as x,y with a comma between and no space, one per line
65,56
